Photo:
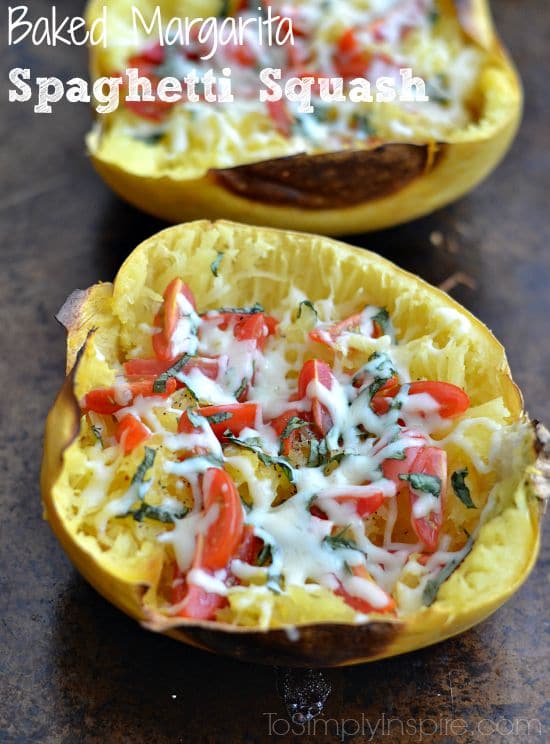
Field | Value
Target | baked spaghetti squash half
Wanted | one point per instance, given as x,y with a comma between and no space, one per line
349,166
284,448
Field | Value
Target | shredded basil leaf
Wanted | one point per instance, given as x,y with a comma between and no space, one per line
293,423
149,139
458,482
242,387
225,10
147,511
361,123
159,386
263,555
96,431
320,454
437,89
339,540
306,303
254,445
253,310
433,585
380,367
144,466
397,456
215,265
380,364
382,318
423,482
217,418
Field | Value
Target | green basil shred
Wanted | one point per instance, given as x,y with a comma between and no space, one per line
458,482
254,444
433,585
339,540
215,265
159,386
423,482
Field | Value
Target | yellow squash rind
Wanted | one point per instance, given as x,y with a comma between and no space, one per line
508,542
462,161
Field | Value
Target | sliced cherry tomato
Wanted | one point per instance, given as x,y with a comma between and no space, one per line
364,505
360,604
154,110
303,433
155,367
131,432
242,415
381,400
186,427
112,399
246,326
329,336
376,28
350,59
255,327
199,604
392,469
315,370
167,318
243,54
250,546
151,56
452,400
280,116
225,534
429,461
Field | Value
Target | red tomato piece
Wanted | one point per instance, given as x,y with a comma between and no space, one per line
110,400
315,370
155,367
329,336
199,604
280,423
131,432
151,56
381,400
250,546
255,327
280,116
452,400
429,461
243,54
364,505
360,604
224,535
350,59
247,326
242,415
167,318
154,110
